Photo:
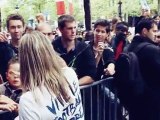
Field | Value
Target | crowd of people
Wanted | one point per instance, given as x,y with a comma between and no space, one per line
41,71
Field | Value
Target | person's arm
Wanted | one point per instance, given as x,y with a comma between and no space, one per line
86,69
9,107
8,104
108,62
85,80
6,100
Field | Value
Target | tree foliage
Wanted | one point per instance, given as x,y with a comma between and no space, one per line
99,8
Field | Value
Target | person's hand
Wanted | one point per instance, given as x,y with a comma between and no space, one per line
9,107
100,48
6,100
110,70
4,36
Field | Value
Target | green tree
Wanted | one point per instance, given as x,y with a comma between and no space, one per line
99,8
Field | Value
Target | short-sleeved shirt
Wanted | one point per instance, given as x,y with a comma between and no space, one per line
50,108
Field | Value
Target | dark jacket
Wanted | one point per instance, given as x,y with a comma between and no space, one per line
81,58
105,60
149,60
7,90
7,51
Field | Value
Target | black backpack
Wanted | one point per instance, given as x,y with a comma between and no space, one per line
128,79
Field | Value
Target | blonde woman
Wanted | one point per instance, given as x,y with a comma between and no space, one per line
51,91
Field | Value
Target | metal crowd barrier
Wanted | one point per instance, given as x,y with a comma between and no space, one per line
100,101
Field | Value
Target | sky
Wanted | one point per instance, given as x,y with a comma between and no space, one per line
2,2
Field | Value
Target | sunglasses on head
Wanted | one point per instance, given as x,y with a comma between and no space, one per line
48,34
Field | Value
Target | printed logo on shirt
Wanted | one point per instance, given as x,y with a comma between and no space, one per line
73,111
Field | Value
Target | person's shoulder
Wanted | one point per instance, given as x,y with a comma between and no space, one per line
27,95
3,84
70,74
82,43
57,39
68,71
4,45
2,88
82,46
152,48
6,49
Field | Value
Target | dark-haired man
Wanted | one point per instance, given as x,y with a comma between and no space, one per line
76,54
8,49
148,106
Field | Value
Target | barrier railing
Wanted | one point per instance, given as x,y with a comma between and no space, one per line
100,101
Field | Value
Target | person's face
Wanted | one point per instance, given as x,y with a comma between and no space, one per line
13,75
100,34
47,31
157,40
69,31
16,29
151,34
145,12
157,19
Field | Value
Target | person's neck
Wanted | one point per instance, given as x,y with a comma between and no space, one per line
68,44
15,43
95,45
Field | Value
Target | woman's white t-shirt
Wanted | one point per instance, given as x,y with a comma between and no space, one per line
52,109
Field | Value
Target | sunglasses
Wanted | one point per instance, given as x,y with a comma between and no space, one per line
48,34
158,36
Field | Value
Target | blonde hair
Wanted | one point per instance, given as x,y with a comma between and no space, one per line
40,17
40,66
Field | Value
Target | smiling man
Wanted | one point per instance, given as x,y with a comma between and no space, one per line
8,49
